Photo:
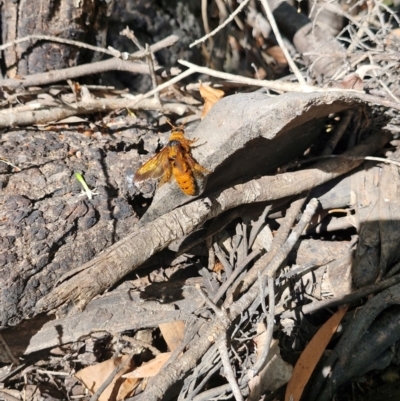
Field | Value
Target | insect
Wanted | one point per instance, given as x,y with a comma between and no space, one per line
174,160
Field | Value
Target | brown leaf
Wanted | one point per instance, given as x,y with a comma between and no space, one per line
173,333
151,368
311,355
210,96
277,53
94,376
350,81
127,388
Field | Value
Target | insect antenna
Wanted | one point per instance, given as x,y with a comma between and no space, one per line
181,126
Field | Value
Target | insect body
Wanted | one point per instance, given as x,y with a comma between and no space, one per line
174,160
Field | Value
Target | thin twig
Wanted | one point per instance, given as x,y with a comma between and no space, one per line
270,322
372,158
57,40
243,247
227,266
219,27
143,344
30,117
211,253
229,374
150,61
216,393
205,380
204,17
282,45
235,274
127,32
273,85
258,225
293,237
209,302
47,78
5,161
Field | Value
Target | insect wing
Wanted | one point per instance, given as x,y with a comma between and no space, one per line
154,168
195,167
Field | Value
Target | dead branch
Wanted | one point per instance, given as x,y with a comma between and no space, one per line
112,64
56,39
125,256
229,374
29,117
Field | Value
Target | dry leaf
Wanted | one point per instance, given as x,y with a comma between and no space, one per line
151,368
94,376
350,81
127,388
311,355
12,394
210,96
173,333
277,53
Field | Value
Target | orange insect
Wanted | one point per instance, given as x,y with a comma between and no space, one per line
174,160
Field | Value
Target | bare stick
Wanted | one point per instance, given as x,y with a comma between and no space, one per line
219,27
372,158
30,117
258,226
209,302
150,61
274,85
293,238
58,40
235,274
168,41
47,78
225,263
131,35
167,84
204,17
270,322
211,253
279,39
193,69
229,374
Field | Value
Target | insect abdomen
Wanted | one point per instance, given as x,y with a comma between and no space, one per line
186,182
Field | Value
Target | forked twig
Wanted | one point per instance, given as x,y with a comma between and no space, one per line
231,17
229,374
279,39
